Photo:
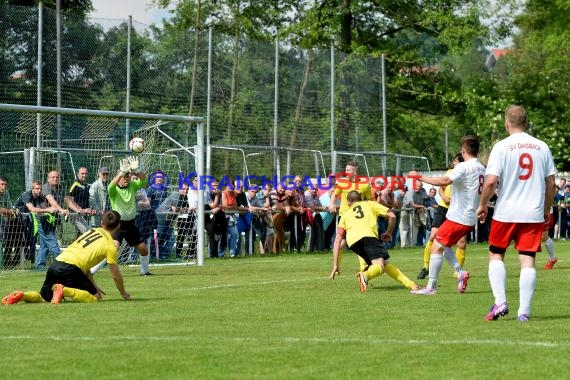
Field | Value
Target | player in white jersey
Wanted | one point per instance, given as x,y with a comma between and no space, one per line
466,181
523,169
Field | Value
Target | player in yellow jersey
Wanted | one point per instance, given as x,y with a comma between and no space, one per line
439,218
69,275
352,182
359,227
345,183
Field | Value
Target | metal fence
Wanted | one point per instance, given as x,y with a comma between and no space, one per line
252,92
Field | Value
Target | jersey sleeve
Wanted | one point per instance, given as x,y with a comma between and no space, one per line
367,193
337,191
137,184
342,223
112,190
493,165
550,169
457,173
378,209
112,255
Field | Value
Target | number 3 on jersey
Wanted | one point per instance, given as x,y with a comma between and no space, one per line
358,213
526,164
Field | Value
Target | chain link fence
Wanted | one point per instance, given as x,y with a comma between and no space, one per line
168,74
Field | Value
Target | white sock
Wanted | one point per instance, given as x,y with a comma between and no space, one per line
144,263
527,283
550,248
452,260
498,280
98,266
435,264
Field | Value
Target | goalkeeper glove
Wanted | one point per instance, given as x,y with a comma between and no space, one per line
124,167
134,164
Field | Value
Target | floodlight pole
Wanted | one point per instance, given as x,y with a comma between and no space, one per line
209,101
58,71
276,110
39,73
333,155
128,99
200,222
384,131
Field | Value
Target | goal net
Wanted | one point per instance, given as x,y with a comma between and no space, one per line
37,141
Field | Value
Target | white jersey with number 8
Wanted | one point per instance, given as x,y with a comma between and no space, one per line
522,163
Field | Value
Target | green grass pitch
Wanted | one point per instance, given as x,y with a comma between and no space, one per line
281,318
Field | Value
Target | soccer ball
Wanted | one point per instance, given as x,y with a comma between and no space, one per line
136,145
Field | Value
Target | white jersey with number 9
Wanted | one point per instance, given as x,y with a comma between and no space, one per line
522,163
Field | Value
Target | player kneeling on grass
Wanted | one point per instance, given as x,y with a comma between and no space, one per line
69,275
358,225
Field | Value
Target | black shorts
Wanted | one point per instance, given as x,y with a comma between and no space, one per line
439,216
67,275
370,248
128,230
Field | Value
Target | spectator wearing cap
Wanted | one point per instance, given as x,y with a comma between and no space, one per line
98,197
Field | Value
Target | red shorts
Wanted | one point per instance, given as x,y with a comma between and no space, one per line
450,232
527,236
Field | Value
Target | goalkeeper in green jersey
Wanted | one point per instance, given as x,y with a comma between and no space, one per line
122,191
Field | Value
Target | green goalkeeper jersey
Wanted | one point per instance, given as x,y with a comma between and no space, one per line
123,199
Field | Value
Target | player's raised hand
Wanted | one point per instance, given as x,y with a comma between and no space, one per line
134,163
124,166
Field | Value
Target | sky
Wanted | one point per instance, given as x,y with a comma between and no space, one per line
121,9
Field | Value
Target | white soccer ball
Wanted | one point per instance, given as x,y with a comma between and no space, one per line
136,145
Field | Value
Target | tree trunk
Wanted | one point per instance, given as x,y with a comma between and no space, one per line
343,130
233,93
195,59
346,27
301,99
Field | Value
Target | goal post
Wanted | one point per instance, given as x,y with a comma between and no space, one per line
72,138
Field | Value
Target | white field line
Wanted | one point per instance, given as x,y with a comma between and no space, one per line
255,283
293,340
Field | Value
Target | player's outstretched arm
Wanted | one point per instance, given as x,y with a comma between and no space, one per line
336,253
118,278
387,236
437,181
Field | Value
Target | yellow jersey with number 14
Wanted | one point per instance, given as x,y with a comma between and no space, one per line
360,220
90,249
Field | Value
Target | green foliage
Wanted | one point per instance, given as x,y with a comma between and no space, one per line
71,6
535,73
435,52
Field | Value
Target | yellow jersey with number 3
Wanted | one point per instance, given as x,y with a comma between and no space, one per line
90,249
360,220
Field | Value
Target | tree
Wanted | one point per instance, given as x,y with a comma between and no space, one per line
81,7
535,74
